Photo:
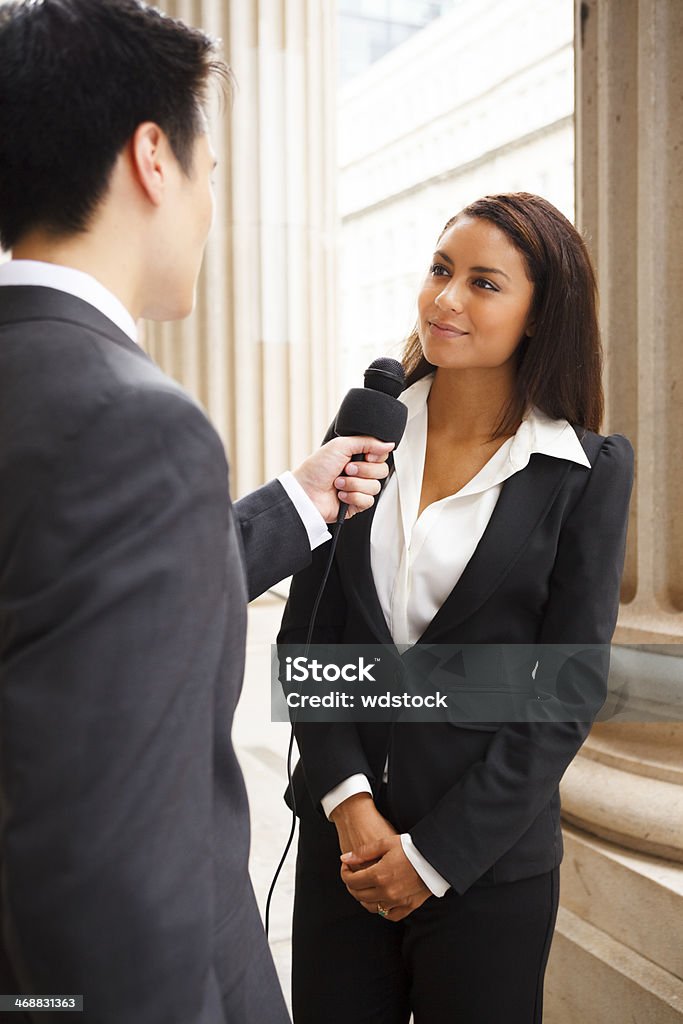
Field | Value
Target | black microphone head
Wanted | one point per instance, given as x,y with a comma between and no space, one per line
386,375
373,414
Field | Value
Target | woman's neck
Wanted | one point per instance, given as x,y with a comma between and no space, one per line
465,405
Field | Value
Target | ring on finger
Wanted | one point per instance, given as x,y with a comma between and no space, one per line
382,911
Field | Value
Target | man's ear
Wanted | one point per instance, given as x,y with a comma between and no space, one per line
149,149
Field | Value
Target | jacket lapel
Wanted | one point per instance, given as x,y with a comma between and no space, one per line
524,501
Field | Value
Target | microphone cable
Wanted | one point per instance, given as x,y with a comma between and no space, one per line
290,749
371,411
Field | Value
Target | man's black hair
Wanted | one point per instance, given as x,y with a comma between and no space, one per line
76,79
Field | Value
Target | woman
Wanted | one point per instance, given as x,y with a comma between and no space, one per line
503,522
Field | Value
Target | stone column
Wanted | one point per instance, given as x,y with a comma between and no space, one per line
618,949
259,351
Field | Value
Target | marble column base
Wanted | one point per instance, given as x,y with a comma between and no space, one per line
617,955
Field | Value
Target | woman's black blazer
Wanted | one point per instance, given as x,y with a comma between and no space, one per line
481,801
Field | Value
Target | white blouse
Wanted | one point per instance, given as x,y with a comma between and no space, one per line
416,561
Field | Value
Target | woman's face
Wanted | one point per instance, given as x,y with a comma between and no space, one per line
474,305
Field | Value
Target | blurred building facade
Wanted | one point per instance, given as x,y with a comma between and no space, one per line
260,349
480,101
367,29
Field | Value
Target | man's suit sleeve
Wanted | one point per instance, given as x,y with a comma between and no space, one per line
498,799
274,539
109,668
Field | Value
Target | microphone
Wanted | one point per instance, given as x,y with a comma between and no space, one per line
374,410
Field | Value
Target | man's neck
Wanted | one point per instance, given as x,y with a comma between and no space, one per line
87,254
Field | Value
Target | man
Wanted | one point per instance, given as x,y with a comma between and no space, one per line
124,569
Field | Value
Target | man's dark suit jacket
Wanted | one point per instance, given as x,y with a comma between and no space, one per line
124,577
481,801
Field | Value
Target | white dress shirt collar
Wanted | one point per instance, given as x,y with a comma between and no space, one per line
73,282
537,433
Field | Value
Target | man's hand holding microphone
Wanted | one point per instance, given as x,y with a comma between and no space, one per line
369,425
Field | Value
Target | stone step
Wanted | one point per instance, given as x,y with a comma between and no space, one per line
593,977
634,898
653,749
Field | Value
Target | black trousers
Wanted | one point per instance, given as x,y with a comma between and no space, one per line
478,958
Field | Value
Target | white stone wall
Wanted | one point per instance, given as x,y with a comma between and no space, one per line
480,101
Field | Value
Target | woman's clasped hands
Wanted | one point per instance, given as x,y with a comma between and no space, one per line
382,879
375,869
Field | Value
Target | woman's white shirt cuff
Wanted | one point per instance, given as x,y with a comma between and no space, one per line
349,787
431,878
